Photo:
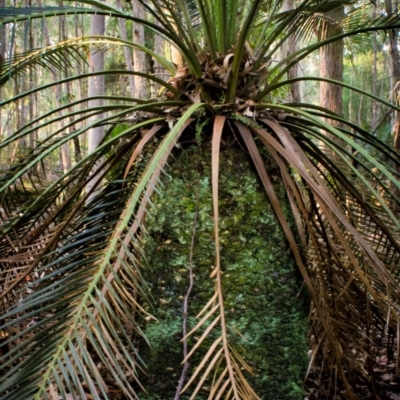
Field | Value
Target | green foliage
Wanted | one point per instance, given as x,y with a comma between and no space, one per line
75,273
265,308
358,107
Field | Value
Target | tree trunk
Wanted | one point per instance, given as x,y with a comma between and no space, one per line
331,66
96,88
139,57
65,157
374,91
292,47
160,47
331,63
65,150
82,90
127,51
395,82
2,57
395,74
31,74
176,57
359,114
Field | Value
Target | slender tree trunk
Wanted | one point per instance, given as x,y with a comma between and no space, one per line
65,150
331,65
2,57
359,116
374,121
160,47
20,106
68,90
32,76
292,47
139,57
65,157
24,82
127,51
75,140
392,9
82,91
17,121
176,57
96,88
395,73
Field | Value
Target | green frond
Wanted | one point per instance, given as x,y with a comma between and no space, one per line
166,242
110,285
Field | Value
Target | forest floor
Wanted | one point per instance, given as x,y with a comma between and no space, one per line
384,386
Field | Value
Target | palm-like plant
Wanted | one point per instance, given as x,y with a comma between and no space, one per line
80,321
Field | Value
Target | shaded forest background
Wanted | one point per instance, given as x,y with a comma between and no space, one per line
29,126
367,65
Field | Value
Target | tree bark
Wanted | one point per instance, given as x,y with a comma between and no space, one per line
395,74
2,57
82,92
65,157
65,150
127,51
395,84
160,47
374,89
292,47
139,57
96,88
331,67
32,78
331,63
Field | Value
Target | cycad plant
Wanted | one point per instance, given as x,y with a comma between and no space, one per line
219,222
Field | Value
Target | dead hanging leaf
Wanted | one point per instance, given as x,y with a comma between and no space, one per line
181,73
219,72
177,81
169,95
222,72
194,96
248,112
3,335
203,56
226,77
53,393
227,60
248,66
386,377
171,121
393,396
383,360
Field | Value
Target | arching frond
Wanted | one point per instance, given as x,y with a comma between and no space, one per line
75,271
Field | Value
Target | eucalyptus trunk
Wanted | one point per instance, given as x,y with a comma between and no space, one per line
292,47
63,91
395,78
2,57
139,57
127,51
160,47
374,85
96,88
331,66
